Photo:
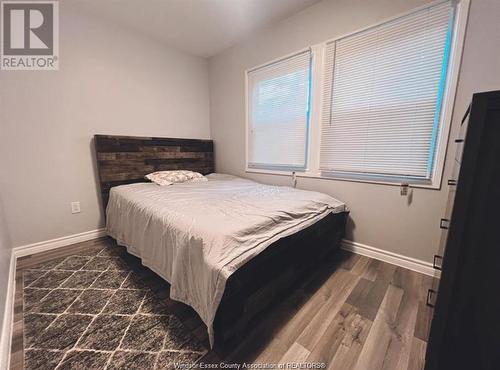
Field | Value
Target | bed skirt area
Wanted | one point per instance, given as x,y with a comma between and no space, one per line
274,273
266,279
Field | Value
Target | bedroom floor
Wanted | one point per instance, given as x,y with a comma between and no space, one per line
352,313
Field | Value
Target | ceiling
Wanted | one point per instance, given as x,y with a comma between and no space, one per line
199,27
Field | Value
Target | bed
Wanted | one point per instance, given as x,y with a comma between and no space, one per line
229,247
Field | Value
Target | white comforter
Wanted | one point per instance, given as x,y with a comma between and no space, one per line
195,235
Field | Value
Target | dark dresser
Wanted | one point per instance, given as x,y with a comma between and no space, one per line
465,327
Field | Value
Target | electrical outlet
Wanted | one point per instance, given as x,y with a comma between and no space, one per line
75,207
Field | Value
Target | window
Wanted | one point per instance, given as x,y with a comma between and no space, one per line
383,96
278,113
374,105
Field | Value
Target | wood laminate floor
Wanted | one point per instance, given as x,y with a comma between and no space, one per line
353,312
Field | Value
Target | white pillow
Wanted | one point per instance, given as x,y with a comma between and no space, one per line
175,177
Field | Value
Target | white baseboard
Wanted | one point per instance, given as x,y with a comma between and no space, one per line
389,257
47,245
8,316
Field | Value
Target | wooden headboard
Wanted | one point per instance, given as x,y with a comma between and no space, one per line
127,159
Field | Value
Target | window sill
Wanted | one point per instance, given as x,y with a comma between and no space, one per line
319,175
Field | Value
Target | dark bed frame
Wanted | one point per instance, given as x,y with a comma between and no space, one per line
262,281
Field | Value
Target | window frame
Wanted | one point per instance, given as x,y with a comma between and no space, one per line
307,149
316,105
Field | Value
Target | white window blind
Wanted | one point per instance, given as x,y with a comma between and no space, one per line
382,96
278,113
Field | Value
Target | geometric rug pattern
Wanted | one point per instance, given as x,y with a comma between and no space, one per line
93,310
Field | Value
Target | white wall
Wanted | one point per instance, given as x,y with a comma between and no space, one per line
111,81
380,216
5,252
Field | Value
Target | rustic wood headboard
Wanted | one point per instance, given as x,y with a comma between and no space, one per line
127,159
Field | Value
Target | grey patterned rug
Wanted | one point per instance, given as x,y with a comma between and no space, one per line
94,310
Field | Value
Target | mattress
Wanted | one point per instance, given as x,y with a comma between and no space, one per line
196,235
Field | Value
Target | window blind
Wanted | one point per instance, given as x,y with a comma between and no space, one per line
278,113
382,96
